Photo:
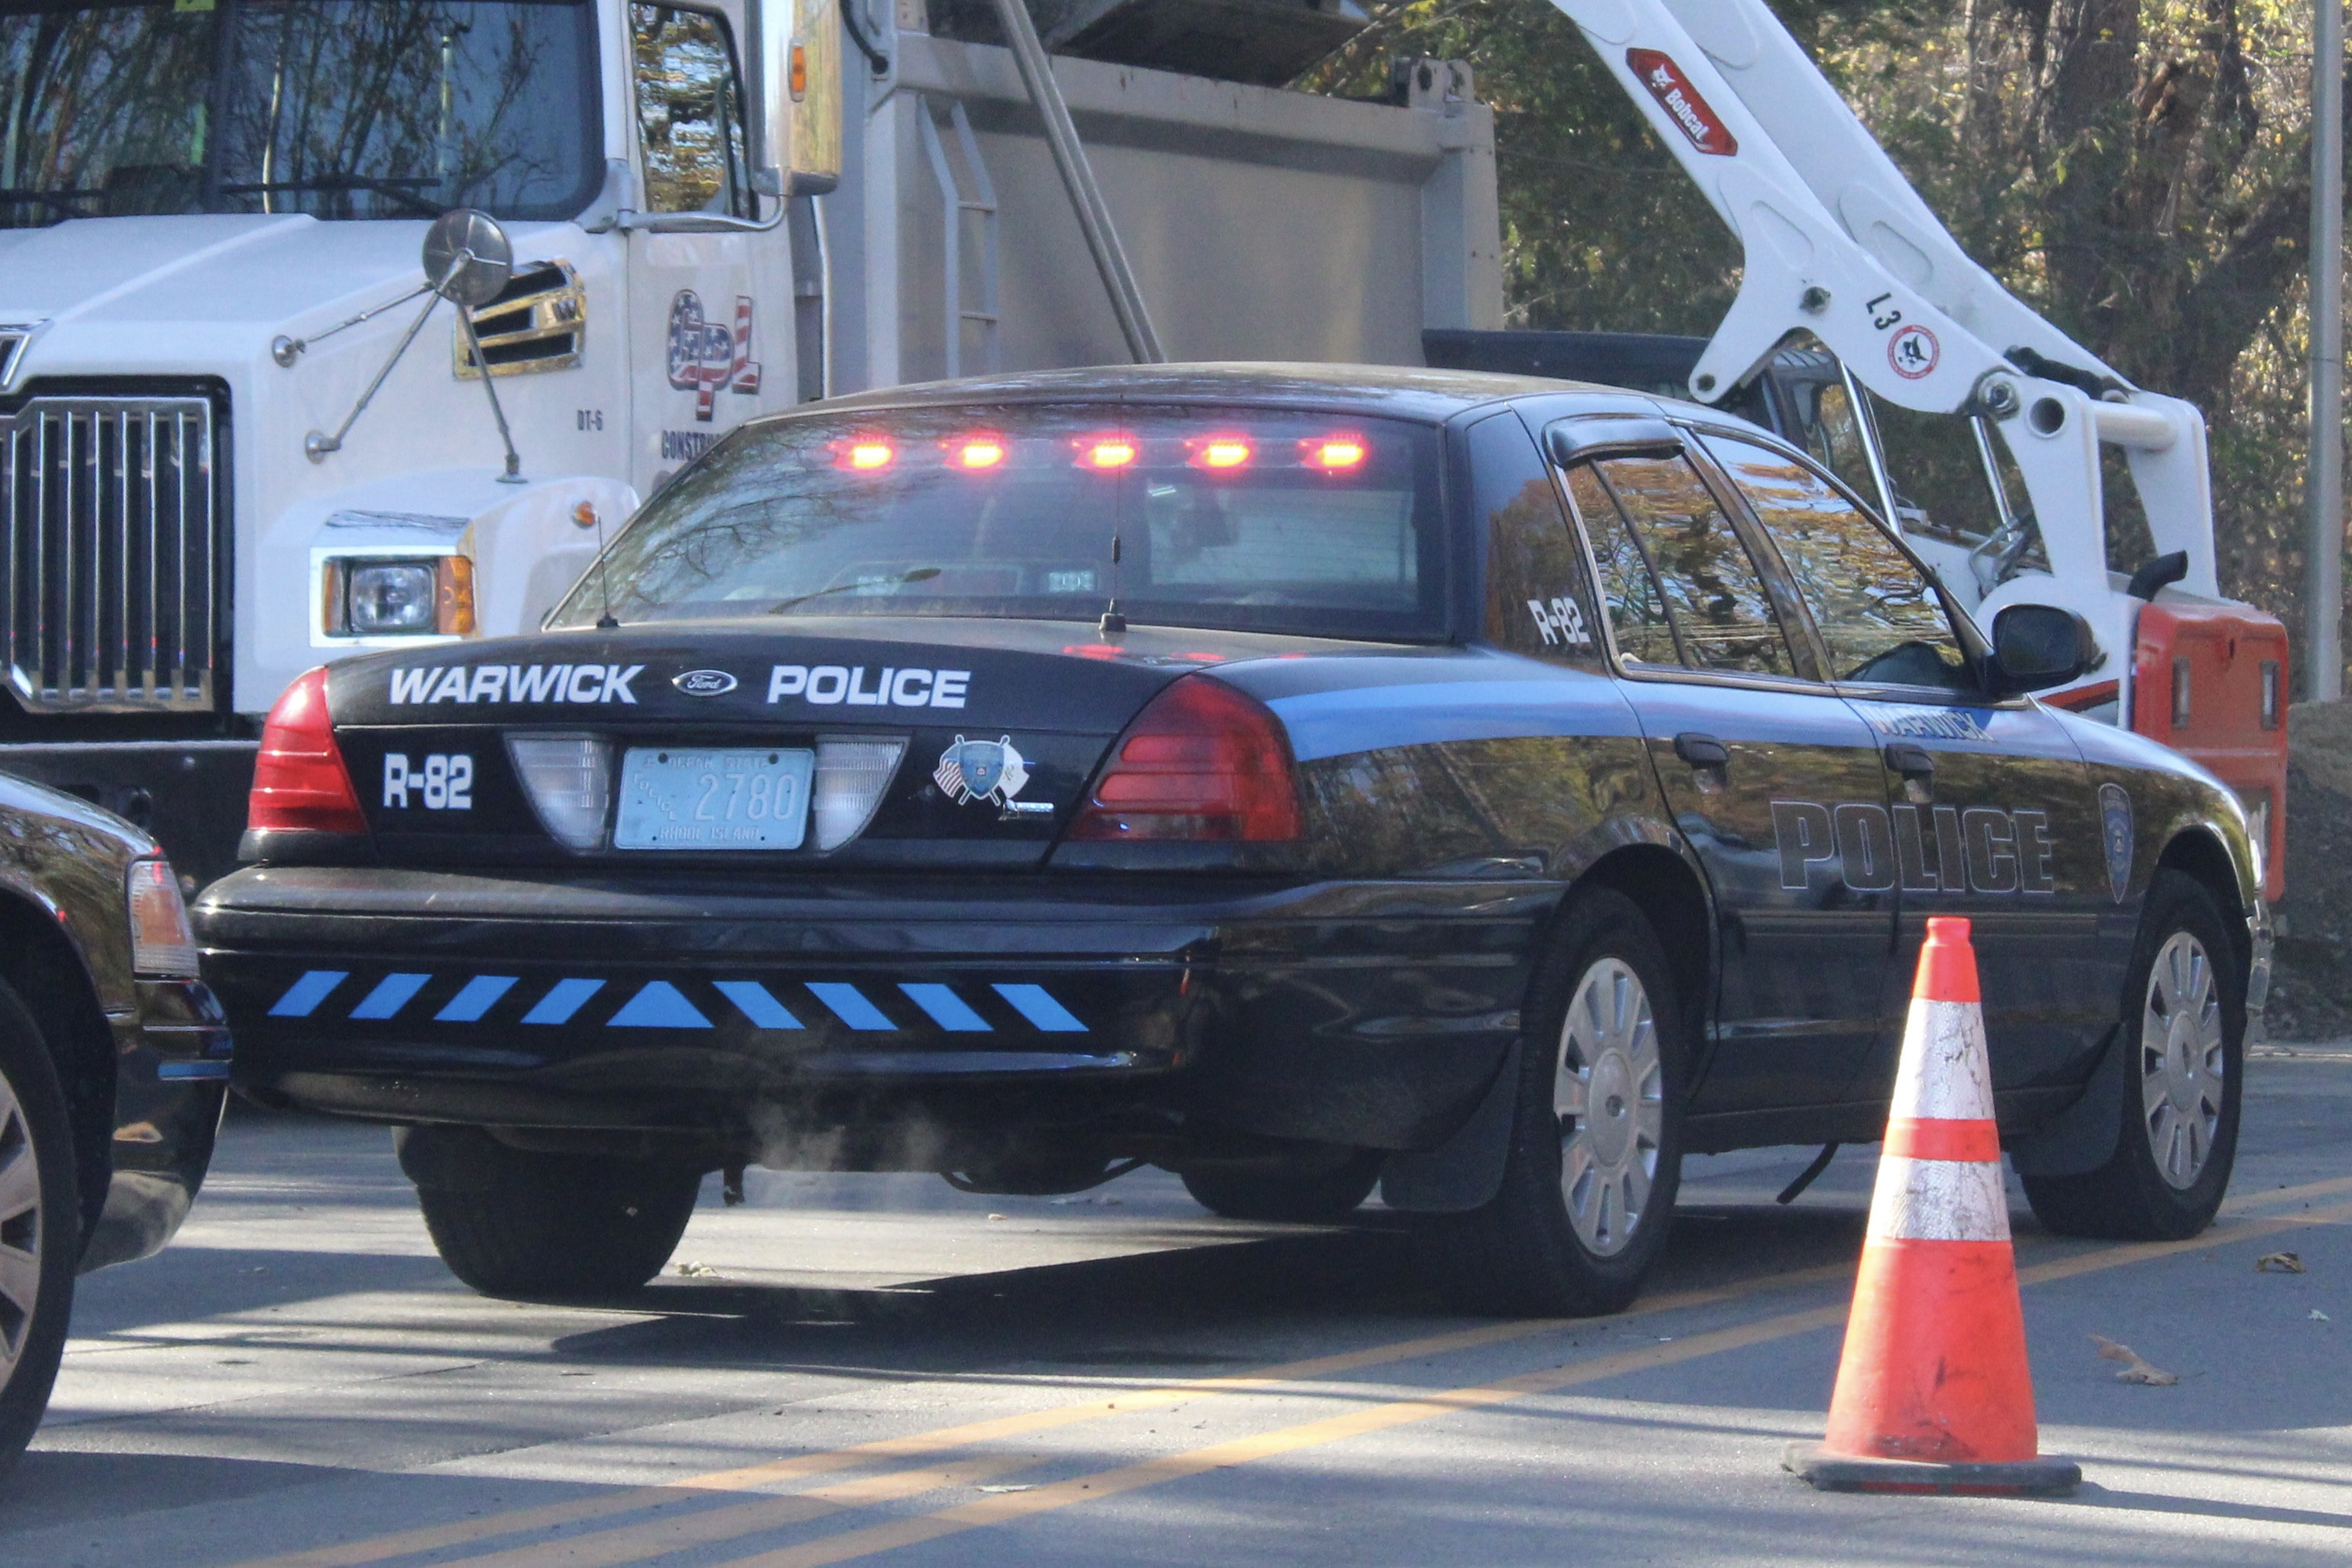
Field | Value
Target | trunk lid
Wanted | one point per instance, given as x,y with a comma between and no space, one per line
1019,712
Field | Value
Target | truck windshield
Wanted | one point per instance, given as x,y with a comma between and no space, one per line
339,108
1244,519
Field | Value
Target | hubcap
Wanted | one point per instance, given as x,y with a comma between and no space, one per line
2180,1059
1609,1098
20,1229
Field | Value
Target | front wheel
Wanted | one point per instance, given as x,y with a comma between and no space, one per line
515,1222
1596,1142
40,1221
2184,1043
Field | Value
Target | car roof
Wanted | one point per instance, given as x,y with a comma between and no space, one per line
1405,392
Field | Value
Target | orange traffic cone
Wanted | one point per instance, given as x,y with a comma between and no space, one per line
1933,1391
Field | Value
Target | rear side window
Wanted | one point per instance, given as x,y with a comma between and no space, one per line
1637,611
1537,600
1878,616
1722,615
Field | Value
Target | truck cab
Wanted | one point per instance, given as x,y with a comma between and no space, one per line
239,438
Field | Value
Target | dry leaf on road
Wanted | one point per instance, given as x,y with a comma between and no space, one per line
2135,1369
697,1270
2279,1263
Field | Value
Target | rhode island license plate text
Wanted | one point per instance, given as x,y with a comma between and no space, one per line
680,800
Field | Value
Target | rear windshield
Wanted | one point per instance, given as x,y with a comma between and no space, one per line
1231,518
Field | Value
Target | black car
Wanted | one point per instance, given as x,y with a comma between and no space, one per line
114,1065
1299,777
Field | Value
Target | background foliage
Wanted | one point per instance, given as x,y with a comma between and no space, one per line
2136,170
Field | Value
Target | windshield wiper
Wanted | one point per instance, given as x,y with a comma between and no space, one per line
919,574
62,200
390,189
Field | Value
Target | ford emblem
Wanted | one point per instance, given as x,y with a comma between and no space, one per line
704,683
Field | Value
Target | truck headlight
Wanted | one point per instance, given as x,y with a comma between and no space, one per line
415,597
162,948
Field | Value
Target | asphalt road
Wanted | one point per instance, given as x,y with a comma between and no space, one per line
879,1368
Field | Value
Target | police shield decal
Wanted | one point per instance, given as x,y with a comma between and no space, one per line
2115,835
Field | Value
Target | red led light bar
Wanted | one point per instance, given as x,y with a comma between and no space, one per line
864,454
1334,453
1221,452
977,452
1109,453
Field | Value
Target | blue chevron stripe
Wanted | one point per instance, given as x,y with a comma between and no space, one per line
303,996
850,1006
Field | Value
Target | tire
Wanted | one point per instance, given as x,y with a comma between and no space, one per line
1306,1193
544,1226
40,1227
1584,1206
2184,1022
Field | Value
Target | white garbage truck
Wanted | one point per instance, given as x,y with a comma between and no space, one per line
240,435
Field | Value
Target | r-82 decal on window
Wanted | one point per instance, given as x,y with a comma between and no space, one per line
440,781
1560,621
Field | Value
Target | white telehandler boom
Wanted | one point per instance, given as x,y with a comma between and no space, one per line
1837,243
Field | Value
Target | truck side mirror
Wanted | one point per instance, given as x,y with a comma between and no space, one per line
798,46
2040,645
468,257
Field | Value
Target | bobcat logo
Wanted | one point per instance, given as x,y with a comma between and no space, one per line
704,356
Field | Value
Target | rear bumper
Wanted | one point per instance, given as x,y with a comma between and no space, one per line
1367,1014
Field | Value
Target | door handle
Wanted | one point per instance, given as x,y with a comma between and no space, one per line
1917,764
1701,751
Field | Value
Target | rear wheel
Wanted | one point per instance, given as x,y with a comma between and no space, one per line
2184,1038
40,1222
1308,1193
1596,1142
515,1222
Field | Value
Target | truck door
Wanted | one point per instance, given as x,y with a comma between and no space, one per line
1995,817
708,312
1771,776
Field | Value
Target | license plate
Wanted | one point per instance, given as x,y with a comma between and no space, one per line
674,798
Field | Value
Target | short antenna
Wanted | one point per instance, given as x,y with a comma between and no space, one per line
1112,621
606,622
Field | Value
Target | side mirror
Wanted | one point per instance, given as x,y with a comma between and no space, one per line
797,44
2040,645
468,257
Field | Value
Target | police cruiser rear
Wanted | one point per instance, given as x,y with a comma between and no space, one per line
1300,777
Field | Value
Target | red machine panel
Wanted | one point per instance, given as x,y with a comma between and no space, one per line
2209,681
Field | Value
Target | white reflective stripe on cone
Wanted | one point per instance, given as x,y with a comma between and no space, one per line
1944,1072
1938,1200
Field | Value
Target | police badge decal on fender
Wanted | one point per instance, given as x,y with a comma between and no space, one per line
985,771
2116,836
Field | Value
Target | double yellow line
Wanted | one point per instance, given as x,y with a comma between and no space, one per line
706,1526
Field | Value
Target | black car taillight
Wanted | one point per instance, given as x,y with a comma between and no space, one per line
299,783
1202,763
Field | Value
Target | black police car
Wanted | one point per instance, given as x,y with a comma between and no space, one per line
114,1064
1295,777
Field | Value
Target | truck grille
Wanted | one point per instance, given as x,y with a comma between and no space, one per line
107,590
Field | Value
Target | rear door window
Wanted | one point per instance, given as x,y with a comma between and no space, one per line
1879,618
1722,616
1539,601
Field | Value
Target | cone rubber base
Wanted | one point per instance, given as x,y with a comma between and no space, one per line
1825,1472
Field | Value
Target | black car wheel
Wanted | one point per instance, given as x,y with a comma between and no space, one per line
39,1227
1596,1141
515,1222
2184,1037
1305,1191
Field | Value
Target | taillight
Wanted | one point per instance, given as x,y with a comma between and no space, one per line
299,779
1202,762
